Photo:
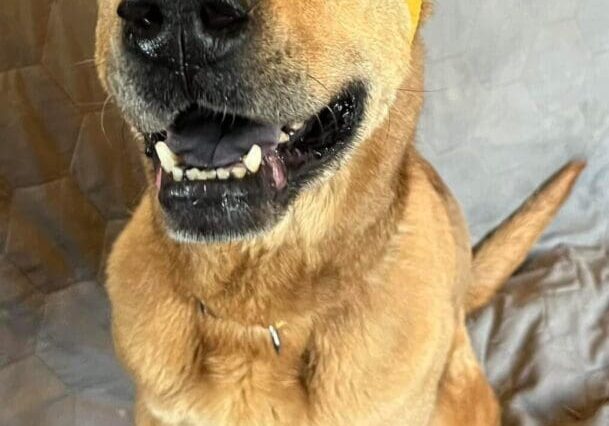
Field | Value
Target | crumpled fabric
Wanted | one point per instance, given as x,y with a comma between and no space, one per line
544,341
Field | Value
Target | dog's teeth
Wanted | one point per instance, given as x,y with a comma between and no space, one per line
178,174
192,174
239,172
223,174
253,159
297,126
167,158
284,138
208,175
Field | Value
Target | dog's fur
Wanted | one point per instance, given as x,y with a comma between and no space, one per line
370,273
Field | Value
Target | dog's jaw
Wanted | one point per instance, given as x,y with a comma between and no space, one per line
242,200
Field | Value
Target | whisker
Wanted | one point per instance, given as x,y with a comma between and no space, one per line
88,104
103,117
318,81
407,90
89,62
253,7
333,116
224,112
321,124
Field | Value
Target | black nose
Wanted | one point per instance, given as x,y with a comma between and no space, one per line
192,31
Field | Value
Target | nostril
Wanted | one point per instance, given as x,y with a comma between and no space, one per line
141,15
220,15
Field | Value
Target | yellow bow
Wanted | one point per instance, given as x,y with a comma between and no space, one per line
415,15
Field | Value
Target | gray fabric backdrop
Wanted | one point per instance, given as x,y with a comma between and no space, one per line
518,87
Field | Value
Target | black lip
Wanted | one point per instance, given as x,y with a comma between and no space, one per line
232,209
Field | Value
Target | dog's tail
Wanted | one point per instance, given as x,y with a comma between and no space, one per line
498,256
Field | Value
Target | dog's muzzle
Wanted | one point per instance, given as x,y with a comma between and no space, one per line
234,137
178,33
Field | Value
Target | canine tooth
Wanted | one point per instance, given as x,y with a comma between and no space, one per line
223,174
239,172
253,159
284,138
192,174
178,174
167,158
298,126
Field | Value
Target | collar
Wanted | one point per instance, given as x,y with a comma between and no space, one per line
272,330
415,7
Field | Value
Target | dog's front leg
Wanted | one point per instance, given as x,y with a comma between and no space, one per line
465,396
143,416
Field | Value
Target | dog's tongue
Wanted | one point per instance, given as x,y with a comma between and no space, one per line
207,144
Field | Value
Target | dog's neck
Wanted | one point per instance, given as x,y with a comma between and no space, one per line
235,279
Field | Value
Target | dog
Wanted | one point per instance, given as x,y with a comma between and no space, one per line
294,260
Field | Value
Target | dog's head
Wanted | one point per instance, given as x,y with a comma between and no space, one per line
247,104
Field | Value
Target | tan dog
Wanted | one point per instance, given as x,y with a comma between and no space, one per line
295,261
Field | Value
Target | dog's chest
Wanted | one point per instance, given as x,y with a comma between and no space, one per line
245,398
200,371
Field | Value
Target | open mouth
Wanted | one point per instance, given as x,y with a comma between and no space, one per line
221,176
